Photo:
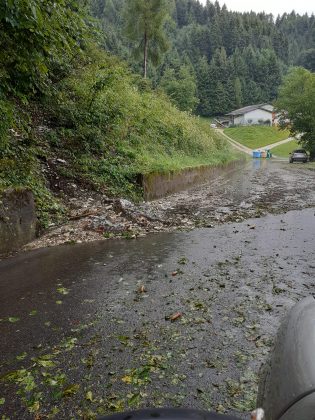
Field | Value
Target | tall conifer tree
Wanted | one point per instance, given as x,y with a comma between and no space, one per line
144,26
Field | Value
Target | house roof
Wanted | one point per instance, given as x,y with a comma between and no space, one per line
242,111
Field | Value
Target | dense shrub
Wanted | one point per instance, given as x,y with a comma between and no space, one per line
105,112
38,40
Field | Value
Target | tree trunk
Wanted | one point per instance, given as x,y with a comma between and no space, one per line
145,55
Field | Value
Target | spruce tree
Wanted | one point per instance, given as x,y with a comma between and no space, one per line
238,93
203,87
144,26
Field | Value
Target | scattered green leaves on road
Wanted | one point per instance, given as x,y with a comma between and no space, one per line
13,319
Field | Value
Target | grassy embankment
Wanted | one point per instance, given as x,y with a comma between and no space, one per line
256,137
109,126
285,149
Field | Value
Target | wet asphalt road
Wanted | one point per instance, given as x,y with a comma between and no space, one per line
257,188
84,328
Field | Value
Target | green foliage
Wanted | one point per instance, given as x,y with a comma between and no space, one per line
296,103
19,167
285,149
181,87
307,59
256,136
203,87
129,131
38,39
6,122
238,94
238,59
63,97
144,26
20,164
296,36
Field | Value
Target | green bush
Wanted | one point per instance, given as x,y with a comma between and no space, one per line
108,129
6,122
133,130
38,41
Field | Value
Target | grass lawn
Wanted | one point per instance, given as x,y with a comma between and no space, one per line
255,137
285,149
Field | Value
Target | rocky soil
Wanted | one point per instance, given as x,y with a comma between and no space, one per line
258,188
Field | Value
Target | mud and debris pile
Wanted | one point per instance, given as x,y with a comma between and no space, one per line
233,197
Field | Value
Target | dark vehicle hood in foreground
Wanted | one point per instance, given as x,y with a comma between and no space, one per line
289,376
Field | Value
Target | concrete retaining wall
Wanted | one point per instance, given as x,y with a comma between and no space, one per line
158,185
18,221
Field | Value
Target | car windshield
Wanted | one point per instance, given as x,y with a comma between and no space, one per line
299,151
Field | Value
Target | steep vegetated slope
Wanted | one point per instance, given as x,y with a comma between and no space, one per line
71,113
223,59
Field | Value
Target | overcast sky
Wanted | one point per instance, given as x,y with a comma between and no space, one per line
270,6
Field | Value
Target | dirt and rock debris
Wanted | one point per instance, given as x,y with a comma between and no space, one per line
181,319
258,188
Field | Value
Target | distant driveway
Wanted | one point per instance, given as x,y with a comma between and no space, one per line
249,151
236,144
279,143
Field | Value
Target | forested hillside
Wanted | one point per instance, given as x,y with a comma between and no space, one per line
217,59
63,97
72,114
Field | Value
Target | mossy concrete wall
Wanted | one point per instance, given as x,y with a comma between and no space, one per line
157,185
18,221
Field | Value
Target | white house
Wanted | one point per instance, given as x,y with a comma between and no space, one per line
262,114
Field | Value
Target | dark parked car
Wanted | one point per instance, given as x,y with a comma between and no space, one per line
299,155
